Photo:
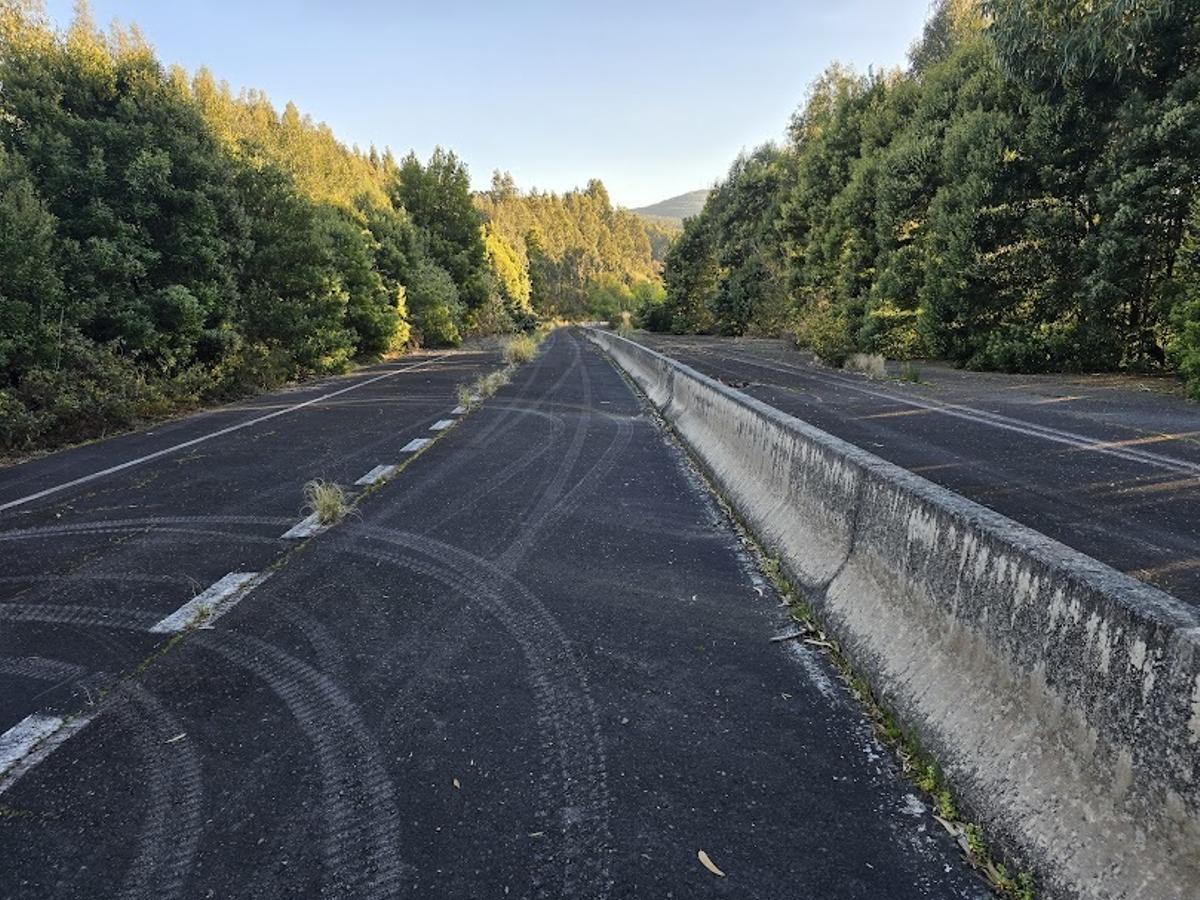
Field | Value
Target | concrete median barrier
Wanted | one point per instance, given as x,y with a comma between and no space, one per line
1061,697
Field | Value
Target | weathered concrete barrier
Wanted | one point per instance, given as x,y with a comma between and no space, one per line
1061,697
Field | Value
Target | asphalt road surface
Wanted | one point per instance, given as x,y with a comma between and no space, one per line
536,662
1106,465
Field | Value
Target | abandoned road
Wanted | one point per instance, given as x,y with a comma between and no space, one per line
1096,462
535,662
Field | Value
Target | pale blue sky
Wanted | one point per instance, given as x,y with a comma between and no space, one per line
654,97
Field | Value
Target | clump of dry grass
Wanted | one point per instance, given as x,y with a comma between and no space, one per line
870,364
520,348
326,500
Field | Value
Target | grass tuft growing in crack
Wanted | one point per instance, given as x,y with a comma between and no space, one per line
326,500
520,348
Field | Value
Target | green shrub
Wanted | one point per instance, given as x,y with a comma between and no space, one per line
826,333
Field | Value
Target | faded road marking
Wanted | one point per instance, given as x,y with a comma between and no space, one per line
210,603
441,424
16,743
416,444
42,735
208,437
379,473
306,527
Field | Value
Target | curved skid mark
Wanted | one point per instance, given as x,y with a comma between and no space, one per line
104,617
108,525
171,826
574,781
483,438
41,668
360,847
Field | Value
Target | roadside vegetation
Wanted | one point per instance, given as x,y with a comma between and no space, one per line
168,242
326,500
516,351
1023,196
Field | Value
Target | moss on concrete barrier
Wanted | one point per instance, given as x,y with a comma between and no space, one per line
1061,696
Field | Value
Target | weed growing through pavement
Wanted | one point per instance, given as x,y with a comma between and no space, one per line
909,371
326,500
520,348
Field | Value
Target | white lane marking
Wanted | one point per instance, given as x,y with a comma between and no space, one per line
377,474
441,424
416,444
16,743
211,602
20,501
458,410
34,752
996,420
306,527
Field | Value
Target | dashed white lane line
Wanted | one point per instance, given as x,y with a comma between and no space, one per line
306,527
16,743
210,603
458,410
36,737
416,444
20,501
379,473
441,424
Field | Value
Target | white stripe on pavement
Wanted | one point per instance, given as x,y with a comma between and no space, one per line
210,603
376,474
207,437
441,424
416,444
23,737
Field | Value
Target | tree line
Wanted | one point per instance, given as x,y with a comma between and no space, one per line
1022,196
166,242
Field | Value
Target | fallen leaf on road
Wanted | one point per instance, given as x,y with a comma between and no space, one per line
457,786
709,864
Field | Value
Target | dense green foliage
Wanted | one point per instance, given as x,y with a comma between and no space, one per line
581,256
165,242
1024,196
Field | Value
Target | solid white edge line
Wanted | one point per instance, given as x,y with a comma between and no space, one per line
441,424
20,501
16,743
376,474
416,444
210,600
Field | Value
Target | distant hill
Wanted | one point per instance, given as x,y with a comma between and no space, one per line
676,209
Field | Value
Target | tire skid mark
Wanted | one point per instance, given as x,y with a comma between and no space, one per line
172,823
554,504
61,614
575,780
41,668
549,489
360,848
508,418
107,525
